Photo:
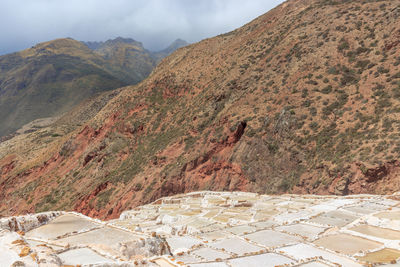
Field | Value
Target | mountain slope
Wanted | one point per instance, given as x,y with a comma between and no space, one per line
129,56
51,78
128,59
303,99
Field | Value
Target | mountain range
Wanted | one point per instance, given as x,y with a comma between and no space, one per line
52,77
303,99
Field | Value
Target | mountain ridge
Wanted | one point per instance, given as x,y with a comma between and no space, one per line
47,80
50,78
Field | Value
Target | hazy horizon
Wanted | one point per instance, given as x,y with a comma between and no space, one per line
155,23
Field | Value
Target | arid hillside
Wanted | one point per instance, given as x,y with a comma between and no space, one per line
304,99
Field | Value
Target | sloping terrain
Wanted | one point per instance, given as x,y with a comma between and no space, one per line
303,99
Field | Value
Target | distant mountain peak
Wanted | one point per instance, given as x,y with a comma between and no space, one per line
67,46
122,40
181,41
56,43
112,42
178,43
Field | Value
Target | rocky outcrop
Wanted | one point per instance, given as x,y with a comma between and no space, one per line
380,172
27,222
149,247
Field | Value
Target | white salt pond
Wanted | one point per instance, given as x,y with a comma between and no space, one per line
220,229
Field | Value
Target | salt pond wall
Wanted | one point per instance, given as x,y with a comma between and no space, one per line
28,222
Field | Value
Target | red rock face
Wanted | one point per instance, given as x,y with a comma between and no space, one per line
382,178
8,165
394,40
304,99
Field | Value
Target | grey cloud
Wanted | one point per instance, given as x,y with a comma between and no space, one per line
156,23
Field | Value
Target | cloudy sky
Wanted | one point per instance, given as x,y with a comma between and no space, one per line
156,23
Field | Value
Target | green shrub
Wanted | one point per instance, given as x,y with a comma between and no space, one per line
327,89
